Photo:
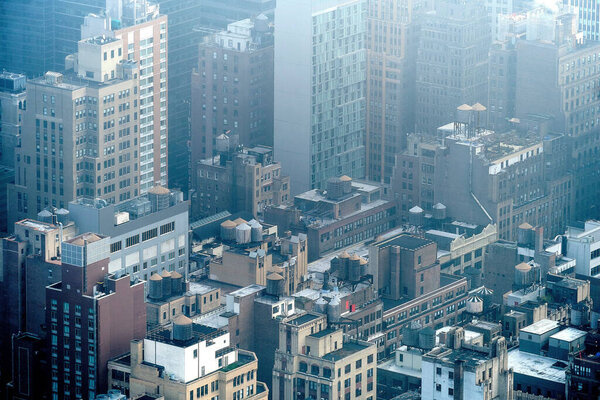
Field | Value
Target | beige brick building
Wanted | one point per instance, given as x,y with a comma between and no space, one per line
80,133
314,361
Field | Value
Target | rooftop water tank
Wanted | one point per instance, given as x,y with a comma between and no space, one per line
156,288
334,309
524,275
45,216
261,23
439,212
256,233
474,305
415,216
166,283
321,305
228,230
427,338
354,268
275,284
243,233
159,197
182,328
176,283
62,216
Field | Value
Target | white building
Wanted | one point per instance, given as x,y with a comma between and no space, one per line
320,90
185,356
147,234
583,245
464,371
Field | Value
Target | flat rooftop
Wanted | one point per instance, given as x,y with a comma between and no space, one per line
537,366
323,333
568,335
472,358
405,241
540,327
348,349
38,226
247,290
303,319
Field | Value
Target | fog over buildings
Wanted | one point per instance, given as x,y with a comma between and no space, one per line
299,199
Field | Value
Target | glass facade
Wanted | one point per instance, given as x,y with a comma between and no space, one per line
26,36
338,95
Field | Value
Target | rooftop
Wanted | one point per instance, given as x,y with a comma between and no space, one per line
540,327
38,226
537,366
100,40
303,319
568,335
247,290
81,240
348,349
200,333
405,241
471,358
323,333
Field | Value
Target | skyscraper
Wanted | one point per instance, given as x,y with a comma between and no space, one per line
80,133
320,90
392,34
91,317
144,34
589,17
184,17
26,36
452,61
232,90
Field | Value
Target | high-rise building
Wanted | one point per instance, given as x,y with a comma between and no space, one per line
589,17
80,135
232,90
452,61
314,360
482,179
144,34
184,18
26,36
556,87
391,54
91,317
320,90
33,243
13,102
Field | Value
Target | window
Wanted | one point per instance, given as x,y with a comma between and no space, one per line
438,371
347,368
132,240
114,247
438,387
370,359
450,391
358,364
152,233
167,228
450,375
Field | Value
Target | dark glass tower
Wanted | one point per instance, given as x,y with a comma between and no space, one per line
26,34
